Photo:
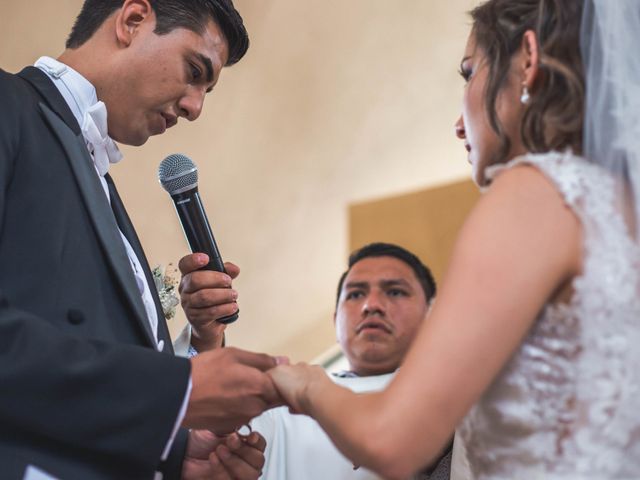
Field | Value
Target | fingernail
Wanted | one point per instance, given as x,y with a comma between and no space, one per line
233,441
202,259
223,452
234,295
282,360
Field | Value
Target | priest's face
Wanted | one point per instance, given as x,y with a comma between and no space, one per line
380,309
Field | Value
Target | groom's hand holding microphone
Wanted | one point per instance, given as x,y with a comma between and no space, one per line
207,296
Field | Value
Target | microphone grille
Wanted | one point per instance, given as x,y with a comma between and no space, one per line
177,173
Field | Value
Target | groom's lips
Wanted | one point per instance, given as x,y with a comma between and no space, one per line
169,119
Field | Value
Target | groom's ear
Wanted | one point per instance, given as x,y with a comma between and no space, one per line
129,19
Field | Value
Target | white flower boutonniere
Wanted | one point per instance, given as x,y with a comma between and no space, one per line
166,283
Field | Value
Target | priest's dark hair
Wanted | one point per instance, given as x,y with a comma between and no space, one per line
379,249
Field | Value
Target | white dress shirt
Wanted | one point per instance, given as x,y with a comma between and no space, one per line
298,448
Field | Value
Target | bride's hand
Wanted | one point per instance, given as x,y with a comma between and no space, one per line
296,384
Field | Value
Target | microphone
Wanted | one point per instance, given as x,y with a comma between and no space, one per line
178,175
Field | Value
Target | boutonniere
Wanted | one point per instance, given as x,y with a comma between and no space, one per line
166,283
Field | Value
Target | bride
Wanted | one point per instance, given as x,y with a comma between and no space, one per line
532,349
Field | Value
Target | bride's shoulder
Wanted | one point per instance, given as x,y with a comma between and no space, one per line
531,191
531,194
522,219
570,175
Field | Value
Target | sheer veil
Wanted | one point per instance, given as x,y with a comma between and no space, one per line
610,42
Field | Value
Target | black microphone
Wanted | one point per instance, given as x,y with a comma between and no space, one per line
179,176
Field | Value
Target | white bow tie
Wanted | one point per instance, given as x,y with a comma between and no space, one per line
95,132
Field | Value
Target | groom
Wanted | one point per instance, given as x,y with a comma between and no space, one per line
90,386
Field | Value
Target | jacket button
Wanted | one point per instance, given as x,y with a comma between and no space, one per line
75,317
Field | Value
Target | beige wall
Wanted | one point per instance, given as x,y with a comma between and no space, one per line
426,222
337,102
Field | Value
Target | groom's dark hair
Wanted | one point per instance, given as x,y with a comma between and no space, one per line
170,14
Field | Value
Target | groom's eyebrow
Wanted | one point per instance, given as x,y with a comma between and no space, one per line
208,67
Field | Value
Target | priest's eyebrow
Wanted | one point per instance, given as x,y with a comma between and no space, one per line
392,282
362,285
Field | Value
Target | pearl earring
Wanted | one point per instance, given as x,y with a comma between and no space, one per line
525,97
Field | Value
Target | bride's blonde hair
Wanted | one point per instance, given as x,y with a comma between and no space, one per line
554,116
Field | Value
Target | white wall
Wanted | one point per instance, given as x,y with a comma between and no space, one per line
337,101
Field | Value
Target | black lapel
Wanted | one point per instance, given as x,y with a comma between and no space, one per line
126,227
100,213
50,95
92,191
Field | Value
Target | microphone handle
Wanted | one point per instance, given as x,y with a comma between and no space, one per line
199,235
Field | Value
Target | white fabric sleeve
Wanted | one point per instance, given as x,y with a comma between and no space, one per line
183,342
176,427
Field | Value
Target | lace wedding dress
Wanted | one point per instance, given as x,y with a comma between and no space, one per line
567,405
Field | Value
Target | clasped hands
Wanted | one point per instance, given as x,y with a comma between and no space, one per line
230,386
